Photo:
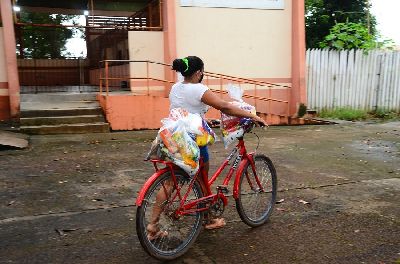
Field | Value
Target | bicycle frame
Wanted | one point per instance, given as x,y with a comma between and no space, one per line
239,163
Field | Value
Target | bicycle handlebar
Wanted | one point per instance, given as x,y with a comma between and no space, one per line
217,123
260,124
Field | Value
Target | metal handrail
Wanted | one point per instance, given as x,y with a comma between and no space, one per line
251,81
211,74
221,77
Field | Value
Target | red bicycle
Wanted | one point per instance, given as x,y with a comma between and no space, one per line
174,204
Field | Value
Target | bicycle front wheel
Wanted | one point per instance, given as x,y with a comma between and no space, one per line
162,233
257,191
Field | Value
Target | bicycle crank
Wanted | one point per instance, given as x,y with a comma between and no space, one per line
217,209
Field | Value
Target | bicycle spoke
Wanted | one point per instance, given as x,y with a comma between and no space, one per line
160,211
257,192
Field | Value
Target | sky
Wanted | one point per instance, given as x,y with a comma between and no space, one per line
76,45
388,18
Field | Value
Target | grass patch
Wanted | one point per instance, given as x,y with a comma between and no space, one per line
350,114
385,115
344,114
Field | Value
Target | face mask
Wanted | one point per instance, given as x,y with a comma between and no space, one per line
201,78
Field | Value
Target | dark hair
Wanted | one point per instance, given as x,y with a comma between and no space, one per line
193,64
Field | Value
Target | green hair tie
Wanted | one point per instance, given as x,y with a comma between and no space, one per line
186,61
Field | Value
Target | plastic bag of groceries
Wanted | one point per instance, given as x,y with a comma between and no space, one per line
196,126
234,127
179,137
176,140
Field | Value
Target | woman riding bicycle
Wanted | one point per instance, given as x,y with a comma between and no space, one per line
194,97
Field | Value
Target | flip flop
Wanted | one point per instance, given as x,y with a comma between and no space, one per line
215,224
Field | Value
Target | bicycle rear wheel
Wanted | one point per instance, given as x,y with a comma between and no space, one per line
256,199
162,233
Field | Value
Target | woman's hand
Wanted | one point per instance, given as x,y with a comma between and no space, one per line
259,121
211,99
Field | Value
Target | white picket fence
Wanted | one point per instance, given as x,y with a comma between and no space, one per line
353,79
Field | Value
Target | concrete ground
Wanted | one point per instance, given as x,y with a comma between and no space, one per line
70,199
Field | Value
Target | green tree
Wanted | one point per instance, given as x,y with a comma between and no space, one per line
354,36
348,36
43,42
322,15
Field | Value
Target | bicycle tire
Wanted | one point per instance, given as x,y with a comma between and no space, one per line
254,206
181,231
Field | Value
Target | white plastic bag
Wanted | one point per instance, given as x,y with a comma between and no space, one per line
235,92
191,122
177,141
179,138
232,127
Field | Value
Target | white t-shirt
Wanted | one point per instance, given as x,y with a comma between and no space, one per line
188,96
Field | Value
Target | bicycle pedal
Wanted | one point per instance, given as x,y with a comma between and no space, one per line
223,189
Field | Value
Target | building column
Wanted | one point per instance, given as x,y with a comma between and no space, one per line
10,58
298,90
169,28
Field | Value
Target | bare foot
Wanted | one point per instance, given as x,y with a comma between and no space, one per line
215,224
154,232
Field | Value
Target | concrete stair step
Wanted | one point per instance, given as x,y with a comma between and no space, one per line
59,105
274,119
61,112
58,97
309,121
99,127
315,121
58,120
35,89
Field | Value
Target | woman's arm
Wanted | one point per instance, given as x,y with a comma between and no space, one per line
211,99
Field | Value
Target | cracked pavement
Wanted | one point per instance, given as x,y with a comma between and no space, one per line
70,199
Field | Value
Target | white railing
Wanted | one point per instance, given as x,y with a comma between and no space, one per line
353,79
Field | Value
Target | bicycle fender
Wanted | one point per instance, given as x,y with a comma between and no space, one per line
147,184
239,171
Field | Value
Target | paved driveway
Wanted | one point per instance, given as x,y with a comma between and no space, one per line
70,199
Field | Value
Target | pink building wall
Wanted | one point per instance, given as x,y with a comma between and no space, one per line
125,112
294,92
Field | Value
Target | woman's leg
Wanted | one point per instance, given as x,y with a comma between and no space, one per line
161,196
217,222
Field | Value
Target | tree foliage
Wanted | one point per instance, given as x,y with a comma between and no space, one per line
43,42
348,36
353,36
323,15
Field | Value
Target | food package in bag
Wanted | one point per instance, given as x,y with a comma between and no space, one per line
177,144
233,127
207,136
